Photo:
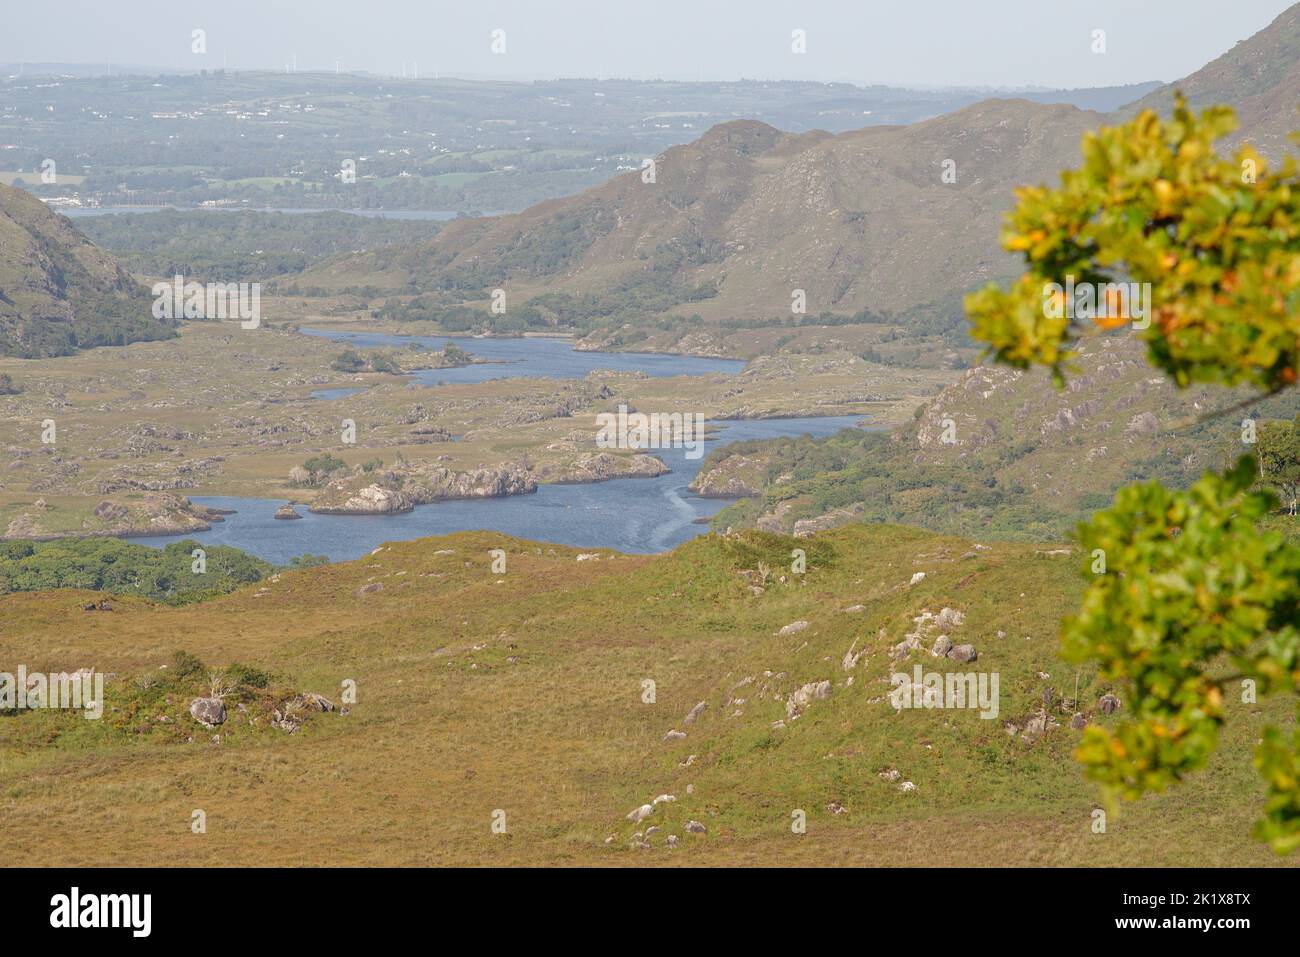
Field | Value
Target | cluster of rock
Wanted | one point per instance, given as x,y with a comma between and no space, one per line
758,579
927,623
1037,724
211,713
641,839
600,467
807,527
1043,720
155,513
736,476
392,491
894,776
290,715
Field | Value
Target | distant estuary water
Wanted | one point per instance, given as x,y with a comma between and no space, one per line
639,515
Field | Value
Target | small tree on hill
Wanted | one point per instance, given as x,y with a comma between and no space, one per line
321,467
348,360
1278,448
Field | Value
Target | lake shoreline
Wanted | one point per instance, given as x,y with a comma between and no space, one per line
358,327
631,514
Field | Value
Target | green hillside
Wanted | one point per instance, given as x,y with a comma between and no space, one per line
60,293
998,453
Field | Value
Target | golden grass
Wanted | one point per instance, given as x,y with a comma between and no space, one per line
447,729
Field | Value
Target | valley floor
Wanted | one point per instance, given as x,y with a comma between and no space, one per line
226,411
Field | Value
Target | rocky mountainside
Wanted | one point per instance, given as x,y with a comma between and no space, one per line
887,221
58,291
737,221
1260,77
1117,420
999,452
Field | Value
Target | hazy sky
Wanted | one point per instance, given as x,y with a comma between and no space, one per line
917,43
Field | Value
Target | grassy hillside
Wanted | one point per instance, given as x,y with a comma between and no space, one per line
60,293
468,704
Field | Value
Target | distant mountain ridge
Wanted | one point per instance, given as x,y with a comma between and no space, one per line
897,221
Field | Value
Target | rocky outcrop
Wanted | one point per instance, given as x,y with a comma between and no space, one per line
440,484
963,653
347,497
806,527
736,476
157,513
1144,423
388,493
950,618
800,699
286,513
600,467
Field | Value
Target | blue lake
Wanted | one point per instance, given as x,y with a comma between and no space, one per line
343,393
531,358
630,515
